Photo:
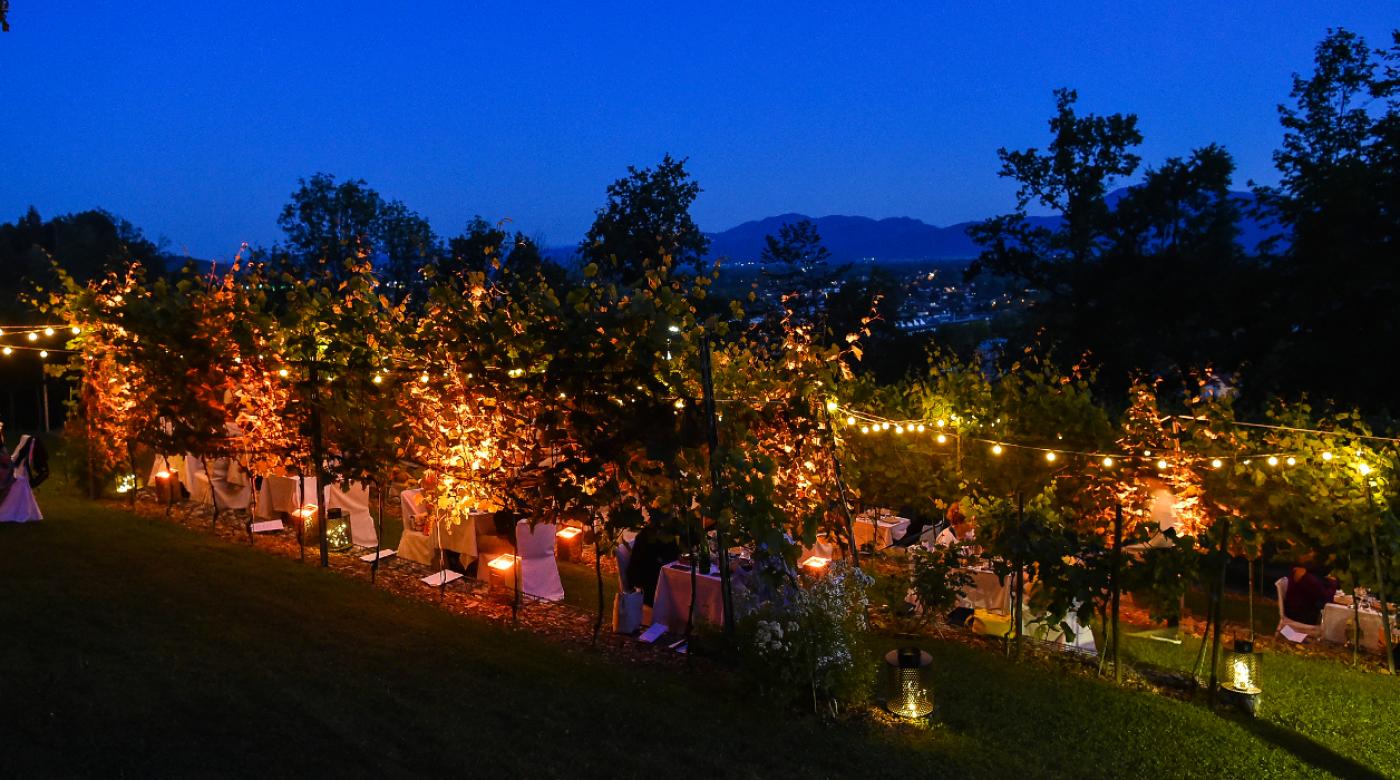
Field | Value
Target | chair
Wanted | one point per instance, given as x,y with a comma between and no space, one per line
228,484
354,500
539,571
1281,585
415,545
196,481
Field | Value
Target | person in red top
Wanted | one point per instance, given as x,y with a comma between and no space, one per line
1307,593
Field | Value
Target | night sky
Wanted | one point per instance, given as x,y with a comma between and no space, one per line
194,119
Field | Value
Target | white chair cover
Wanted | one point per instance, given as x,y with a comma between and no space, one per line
196,480
623,553
229,484
354,501
1281,585
415,545
539,571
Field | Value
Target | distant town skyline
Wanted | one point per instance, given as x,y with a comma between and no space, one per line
194,121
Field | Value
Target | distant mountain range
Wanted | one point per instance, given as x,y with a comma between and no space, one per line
894,239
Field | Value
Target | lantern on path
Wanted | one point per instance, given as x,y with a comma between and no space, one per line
569,543
908,671
1241,682
337,530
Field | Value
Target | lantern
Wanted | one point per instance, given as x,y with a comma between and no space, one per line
1241,681
815,565
499,574
337,530
908,671
569,543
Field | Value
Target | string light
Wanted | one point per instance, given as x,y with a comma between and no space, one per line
831,406
1161,465
996,449
850,421
423,379
1216,463
942,423
282,372
1107,462
899,429
884,426
8,350
1327,456
1050,457
377,379
921,427
43,353
1364,468
942,439
865,429
1273,460
48,331
1292,461
33,336
75,330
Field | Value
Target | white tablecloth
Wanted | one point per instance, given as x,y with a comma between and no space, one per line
1336,622
671,606
883,532
287,494
986,591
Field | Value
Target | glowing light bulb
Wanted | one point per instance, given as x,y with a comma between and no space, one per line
1364,468
33,336
1050,457
865,429
423,379
831,406
942,423
680,403
996,449
899,429
850,421
1292,461
942,439
43,353
377,379
1107,462
921,427
1216,463
282,372
1161,465
884,426
75,330
48,331
1147,453
1273,460
8,350
1326,456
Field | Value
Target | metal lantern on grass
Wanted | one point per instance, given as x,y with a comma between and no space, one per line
568,541
1241,681
909,670
337,530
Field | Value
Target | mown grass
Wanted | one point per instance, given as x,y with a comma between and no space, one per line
139,648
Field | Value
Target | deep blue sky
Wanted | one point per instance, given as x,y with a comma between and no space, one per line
194,119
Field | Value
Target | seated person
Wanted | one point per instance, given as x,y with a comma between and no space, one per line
1307,593
649,554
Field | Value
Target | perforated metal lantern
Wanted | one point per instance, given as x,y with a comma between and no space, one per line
337,530
1241,673
909,675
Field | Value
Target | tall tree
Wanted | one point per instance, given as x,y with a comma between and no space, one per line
647,218
1337,199
476,249
797,269
331,225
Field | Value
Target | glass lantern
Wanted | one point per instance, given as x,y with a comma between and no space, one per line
337,530
908,670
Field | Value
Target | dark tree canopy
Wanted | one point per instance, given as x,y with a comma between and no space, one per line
647,217
797,269
86,245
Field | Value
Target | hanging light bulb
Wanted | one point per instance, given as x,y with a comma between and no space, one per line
996,449
942,439
33,336
1050,457
43,353
48,331
1216,463
831,406
423,379
8,350
865,429
850,421
1292,461
942,423
1107,462
1364,468
884,426
1161,465
75,330
921,427
377,379
1273,460
899,429
1326,456
282,372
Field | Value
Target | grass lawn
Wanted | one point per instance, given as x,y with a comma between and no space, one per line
138,648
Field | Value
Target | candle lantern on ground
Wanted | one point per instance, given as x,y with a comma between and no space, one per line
337,530
568,542
815,565
1241,678
908,671
500,574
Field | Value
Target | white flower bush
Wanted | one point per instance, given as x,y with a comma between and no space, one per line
802,639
